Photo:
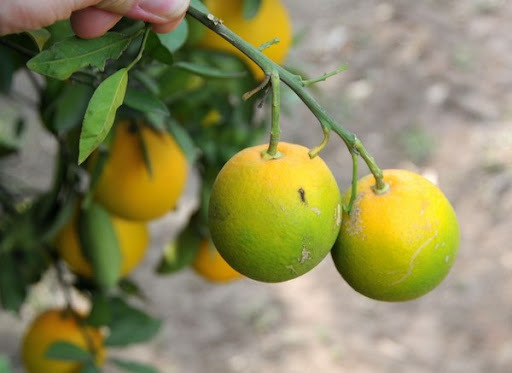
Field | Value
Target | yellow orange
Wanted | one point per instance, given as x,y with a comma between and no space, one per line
400,244
271,21
211,266
133,237
58,325
127,188
274,219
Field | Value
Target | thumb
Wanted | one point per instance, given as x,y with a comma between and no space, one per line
153,11
93,21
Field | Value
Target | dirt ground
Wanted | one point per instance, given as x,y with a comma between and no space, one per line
429,88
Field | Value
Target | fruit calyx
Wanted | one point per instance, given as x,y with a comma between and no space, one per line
265,154
383,189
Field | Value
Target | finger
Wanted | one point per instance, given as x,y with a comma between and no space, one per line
92,22
152,11
164,28
116,6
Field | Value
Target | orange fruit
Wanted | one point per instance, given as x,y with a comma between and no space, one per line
133,237
274,219
59,326
400,244
127,188
271,21
211,266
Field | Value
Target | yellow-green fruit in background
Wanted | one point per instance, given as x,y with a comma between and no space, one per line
274,219
272,21
211,266
126,187
63,326
400,244
133,238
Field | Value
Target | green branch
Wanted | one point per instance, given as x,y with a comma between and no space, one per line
296,83
275,131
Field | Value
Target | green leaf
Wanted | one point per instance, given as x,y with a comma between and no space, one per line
130,325
98,168
7,69
156,120
59,31
147,81
157,50
199,5
208,71
52,223
90,367
70,55
251,8
101,112
40,37
180,253
70,107
174,40
66,351
5,365
145,102
183,139
196,31
100,244
12,291
145,154
95,174
134,367
129,287
100,314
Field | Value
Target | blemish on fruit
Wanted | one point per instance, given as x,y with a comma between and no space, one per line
337,215
292,269
305,255
316,210
412,262
302,195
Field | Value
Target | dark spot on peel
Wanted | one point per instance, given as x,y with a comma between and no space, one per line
302,195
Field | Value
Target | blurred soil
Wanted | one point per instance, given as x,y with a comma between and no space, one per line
429,88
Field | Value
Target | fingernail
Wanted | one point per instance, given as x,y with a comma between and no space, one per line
166,9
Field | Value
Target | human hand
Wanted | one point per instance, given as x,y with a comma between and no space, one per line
89,18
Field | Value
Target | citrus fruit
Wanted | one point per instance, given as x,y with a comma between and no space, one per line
211,266
59,326
400,244
271,21
274,219
130,190
133,237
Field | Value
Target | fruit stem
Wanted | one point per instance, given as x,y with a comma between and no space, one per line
260,87
355,176
147,29
316,150
380,186
275,131
296,83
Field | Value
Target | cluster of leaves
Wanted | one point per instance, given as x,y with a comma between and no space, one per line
84,87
